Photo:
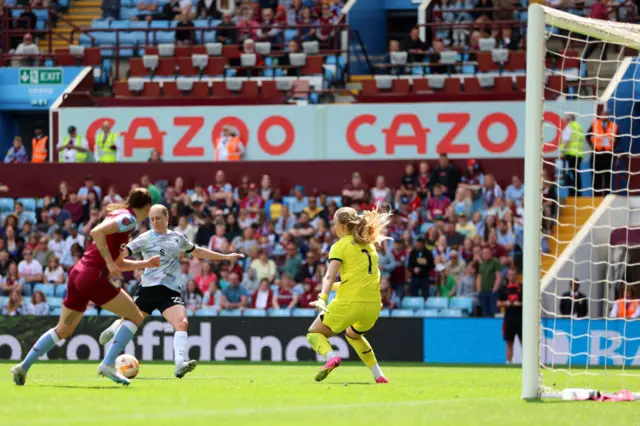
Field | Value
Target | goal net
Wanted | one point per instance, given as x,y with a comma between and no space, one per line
581,320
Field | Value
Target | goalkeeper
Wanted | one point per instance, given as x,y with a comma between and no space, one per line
357,305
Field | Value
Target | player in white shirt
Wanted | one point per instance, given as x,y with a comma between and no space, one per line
160,288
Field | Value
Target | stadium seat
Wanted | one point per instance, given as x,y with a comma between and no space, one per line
137,68
279,312
401,313
170,90
268,89
215,67
231,313
313,65
472,85
255,313
369,87
47,289
555,86
521,83
3,301
230,51
7,205
27,289
60,290
182,51
219,89
29,204
207,312
452,313
437,303
452,85
486,63
249,89
420,85
106,313
517,61
200,89
54,302
504,84
309,313
144,88
412,303
427,313
463,303
385,313
91,312
121,89
400,86
56,311
166,67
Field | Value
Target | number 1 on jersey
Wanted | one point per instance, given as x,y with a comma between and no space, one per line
368,257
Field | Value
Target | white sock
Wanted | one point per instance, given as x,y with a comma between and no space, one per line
179,347
329,355
114,327
377,372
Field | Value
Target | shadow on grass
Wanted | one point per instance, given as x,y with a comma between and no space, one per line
81,386
350,383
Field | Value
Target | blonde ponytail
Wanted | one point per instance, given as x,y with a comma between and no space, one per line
368,228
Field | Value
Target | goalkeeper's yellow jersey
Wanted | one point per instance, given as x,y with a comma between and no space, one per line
359,271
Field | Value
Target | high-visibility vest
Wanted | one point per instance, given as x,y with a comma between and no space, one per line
575,147
626,308
234,152
105,153
81,157
603,139
39,149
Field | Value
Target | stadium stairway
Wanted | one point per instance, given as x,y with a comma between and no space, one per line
573,215
81,13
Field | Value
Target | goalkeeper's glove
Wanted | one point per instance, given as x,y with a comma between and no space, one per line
321,303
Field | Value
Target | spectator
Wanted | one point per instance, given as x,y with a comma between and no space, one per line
386,260
206,278
218,241
226,7
29,269
156,156
263,296
192,297
306,31
313,210
171,10
293,262
252,203
17,154
299,202
454,238
326,22
73,148
285,298
447,175
488,282
184,276
464,227
510,298
15,305
355,192
506,238
234,296
461,203
472,179
627,306
246,242
445,283
74,238
226,32
54,274
506,39
206,9
110,9
42,254
309,294
549,204
213,296
302,231
247,26
206,230
58,246
264,267
441,252
27,19
269,29
415,47
4,261
4,188
184,37
467,285
146,9
90,186
574,303
309,268
420,265
10,238
12,280
40,307
251,282
294,13
74,207
490,191
599,10
27,49
483,12
381,194
515,191
437,205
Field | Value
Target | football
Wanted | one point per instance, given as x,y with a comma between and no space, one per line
128,365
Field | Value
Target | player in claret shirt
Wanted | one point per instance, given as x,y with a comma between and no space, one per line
89,280
510,297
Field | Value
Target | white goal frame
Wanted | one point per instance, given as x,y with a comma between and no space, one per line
538,18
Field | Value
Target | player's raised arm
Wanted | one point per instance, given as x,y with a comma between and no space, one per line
203,253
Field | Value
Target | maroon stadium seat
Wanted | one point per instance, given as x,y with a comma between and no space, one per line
65,60
249,89
230,51
183,51
219,88
151,89
517,61
91,56
485,62
268,89
215,66
504,84
170,89
471,85
186,68
369,87
137,69
420,85
521,83
452,85
166,67
200,89
121,89
400,86
313,65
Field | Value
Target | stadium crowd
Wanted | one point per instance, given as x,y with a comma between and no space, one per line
454,233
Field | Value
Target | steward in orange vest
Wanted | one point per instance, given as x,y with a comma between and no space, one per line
39,148
228,147
626,307
602,137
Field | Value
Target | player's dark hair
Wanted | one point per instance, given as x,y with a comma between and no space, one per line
138,198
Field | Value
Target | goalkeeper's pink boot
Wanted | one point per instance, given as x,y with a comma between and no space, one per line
382,379
332,364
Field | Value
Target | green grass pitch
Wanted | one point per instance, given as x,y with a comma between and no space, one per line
285,394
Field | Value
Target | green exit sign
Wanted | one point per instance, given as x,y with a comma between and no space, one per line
40,75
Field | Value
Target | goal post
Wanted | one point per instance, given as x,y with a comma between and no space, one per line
561,352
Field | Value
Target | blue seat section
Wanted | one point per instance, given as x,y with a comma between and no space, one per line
279,312
128,12
29,204
453,313
426,313
255,313
463,303
437,303
105,313
230,313
54,302
60,290
207,312
93,312
290,34
309,313
56,311
47,289
412,303
385,313
7,205
401,313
